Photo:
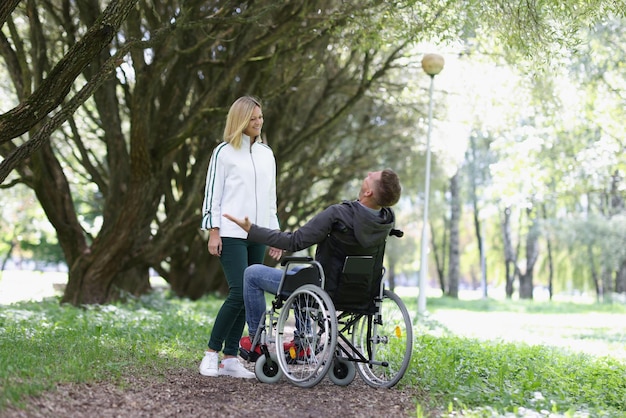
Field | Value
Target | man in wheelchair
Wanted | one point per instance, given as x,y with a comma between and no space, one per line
358,227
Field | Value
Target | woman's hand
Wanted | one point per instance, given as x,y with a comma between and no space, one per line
215,242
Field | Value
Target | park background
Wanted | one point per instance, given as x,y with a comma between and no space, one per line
110,111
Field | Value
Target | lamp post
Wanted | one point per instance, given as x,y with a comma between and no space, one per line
432,64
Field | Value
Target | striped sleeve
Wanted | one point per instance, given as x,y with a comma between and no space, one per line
211,207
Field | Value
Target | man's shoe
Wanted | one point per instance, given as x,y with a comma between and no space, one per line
245,349
246,344
208,366
294,353
232,367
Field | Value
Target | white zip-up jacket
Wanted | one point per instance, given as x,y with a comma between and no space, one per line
240,182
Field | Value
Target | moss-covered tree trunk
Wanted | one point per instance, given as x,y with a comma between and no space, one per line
454,264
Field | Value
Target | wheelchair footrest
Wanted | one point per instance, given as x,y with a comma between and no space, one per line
247,355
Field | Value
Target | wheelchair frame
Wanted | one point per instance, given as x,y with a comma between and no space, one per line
376,343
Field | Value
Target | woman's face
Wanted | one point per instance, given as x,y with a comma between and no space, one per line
255,124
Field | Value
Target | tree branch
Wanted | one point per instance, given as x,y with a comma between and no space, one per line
56,86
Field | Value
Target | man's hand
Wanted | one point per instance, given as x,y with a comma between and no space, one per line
275,253
244,224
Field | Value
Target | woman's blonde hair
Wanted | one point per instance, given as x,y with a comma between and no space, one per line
238,119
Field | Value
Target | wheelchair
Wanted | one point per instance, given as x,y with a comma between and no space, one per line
305,335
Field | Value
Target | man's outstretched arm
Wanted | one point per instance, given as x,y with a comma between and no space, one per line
313,232
245,224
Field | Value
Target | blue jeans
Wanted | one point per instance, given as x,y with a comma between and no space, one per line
258,279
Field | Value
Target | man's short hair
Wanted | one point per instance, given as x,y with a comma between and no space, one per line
389,189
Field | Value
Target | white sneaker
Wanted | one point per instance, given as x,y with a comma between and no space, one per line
208,366
232,367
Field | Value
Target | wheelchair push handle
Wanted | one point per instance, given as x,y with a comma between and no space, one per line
396,233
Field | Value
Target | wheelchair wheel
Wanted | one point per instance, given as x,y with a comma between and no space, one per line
343,372
306,336
386,340
268,372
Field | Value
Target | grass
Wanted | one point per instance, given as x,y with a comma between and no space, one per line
480,378
44,343
524,358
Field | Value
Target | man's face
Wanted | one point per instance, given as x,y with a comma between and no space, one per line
370,182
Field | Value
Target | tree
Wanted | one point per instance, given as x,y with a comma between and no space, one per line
128,104
157,121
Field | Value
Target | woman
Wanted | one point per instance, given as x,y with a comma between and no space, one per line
241,180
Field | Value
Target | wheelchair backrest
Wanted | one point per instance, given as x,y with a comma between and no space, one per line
359,284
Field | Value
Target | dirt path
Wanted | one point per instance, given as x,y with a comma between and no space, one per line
185,393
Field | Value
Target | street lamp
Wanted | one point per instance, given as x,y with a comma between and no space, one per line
432,64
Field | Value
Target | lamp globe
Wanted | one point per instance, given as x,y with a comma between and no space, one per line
432,64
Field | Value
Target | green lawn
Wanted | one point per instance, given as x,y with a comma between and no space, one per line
489,357
479,358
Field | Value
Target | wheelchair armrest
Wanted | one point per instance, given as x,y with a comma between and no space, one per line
295,259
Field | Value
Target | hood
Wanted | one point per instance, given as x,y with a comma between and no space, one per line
371,229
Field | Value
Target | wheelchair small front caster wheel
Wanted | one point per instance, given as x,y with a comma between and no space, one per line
343,372
268,371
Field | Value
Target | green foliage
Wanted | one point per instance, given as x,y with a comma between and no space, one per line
45,250
606,236
562,152
24,232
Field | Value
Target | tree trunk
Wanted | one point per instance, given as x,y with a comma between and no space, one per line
57,83
526,285
477,223
620,278
617,206
607,283
135,281
6,7
7,257
440,249
544,212
510,260
120,243
193,272
594,274
53,192
455,217
532,253
391,276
